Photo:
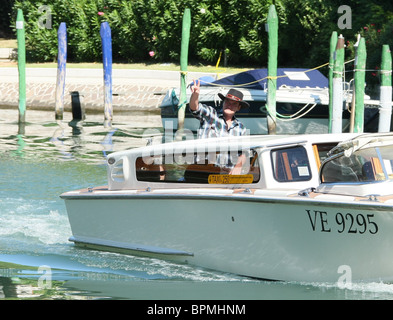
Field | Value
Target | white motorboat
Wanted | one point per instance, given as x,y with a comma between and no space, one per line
277,219
302,102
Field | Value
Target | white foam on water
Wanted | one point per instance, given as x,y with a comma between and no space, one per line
355,290
150,268
33,220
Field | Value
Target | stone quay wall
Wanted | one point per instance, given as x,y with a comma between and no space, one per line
42,96
133,90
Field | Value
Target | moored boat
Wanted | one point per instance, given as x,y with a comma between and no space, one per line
302,102
277,219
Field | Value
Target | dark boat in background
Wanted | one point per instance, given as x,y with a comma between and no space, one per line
302,101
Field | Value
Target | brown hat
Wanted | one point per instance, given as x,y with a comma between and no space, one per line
235,95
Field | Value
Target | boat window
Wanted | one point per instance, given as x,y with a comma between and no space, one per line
290,164
321,151
368,165
202,168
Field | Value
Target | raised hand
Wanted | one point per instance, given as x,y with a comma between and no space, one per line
195,89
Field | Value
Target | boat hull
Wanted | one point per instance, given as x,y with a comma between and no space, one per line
296,239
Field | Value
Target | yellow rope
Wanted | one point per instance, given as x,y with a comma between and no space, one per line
217,66
218,61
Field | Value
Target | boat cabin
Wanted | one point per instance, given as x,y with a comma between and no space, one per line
253,162
359,167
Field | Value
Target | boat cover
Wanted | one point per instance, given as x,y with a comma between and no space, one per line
257,79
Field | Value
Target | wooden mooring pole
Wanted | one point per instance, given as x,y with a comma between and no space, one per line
333,44
61,70
385,112
338,71
20,35
78,108
272,29
185,39
106,39
360,76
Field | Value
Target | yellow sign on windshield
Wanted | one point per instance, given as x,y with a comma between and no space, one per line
230,179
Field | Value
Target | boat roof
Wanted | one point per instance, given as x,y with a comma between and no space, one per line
363,141
257,79
251,141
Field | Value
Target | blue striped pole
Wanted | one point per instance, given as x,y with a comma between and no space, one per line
61,70
106,39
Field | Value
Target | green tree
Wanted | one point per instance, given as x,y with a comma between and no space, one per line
304,32
6,9
233,28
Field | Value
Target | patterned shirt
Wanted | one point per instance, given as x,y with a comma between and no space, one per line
213,125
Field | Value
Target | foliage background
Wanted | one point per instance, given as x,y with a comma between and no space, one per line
6,9
233,28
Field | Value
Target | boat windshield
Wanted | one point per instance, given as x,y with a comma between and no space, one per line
364,165
200,167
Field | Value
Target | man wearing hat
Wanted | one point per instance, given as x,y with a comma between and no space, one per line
216,125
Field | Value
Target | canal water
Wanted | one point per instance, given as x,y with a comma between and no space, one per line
45,158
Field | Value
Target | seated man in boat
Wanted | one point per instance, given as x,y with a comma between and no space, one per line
212,124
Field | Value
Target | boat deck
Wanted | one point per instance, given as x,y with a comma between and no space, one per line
227,193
